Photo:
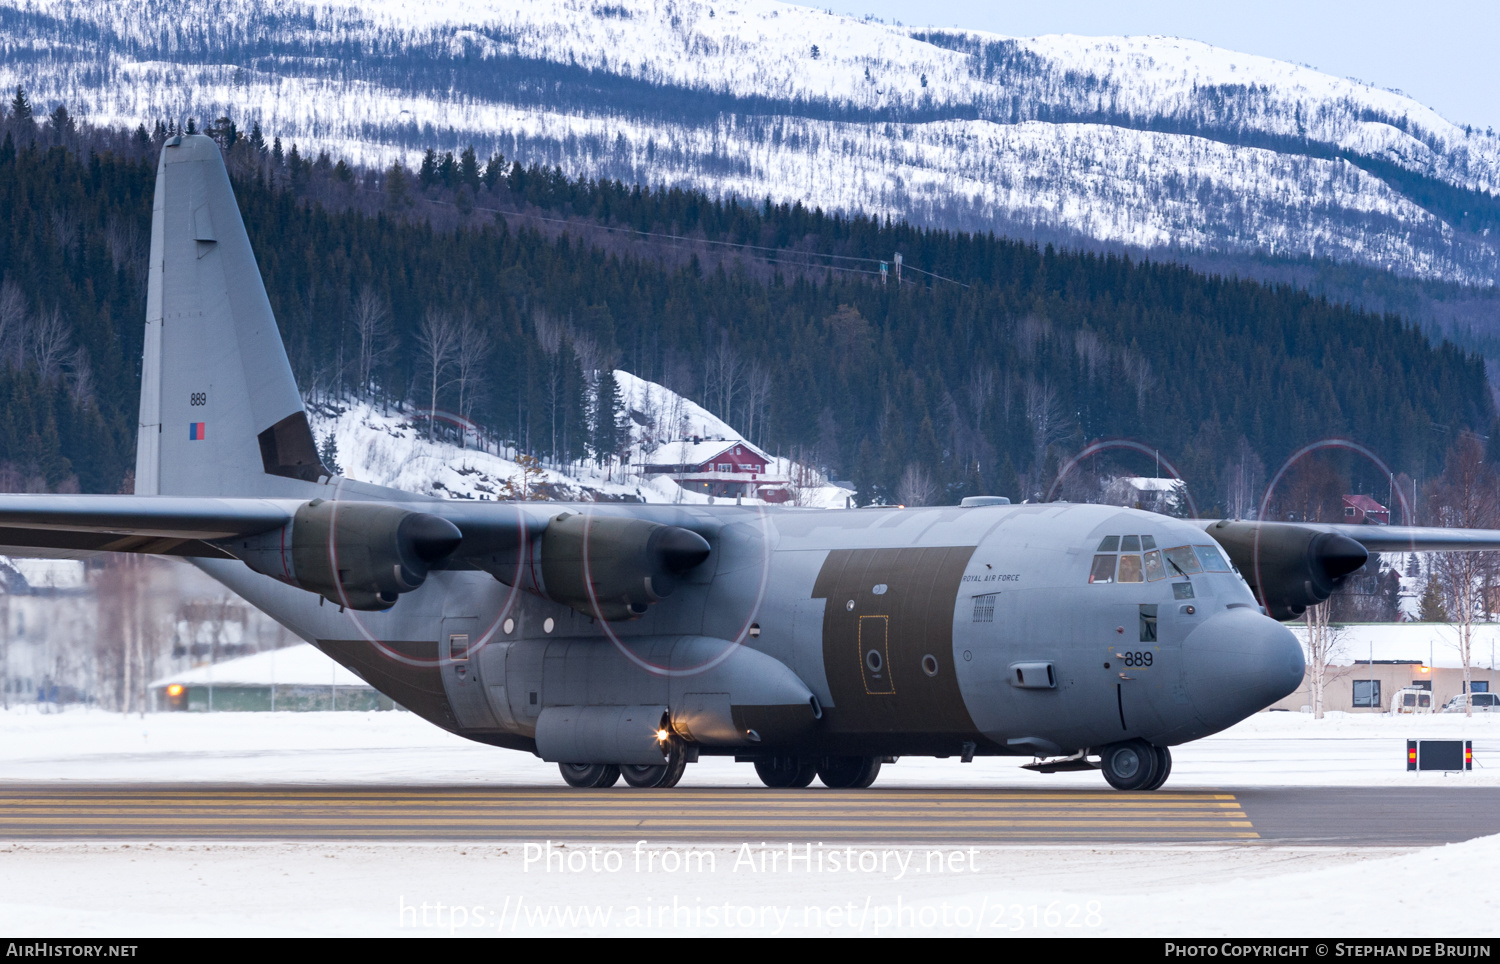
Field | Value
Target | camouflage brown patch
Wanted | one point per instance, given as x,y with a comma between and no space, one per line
887,611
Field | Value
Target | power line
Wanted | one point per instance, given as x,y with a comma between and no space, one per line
780,252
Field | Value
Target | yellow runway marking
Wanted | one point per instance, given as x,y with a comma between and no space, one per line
622,815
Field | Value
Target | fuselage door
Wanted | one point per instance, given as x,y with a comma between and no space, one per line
459,656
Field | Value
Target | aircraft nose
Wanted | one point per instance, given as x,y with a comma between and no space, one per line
1239,662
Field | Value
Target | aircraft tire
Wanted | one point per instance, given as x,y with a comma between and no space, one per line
1130,765
589,775
661,777
785,772
1163,767
848,772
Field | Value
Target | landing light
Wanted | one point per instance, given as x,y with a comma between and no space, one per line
662,735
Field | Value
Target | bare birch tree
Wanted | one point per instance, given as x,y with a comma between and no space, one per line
372,325
1465,496
1243,478
1324,645
473,355
438,341
51,342
757,394
13,323
916,486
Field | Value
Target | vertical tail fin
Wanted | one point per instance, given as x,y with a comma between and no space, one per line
220,410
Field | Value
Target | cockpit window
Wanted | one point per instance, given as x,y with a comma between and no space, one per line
1110,544
1130,543
1182,561
1155,569
1147,542
1104,568
1130,569
1212,560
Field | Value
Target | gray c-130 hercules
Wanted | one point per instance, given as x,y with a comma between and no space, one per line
629,640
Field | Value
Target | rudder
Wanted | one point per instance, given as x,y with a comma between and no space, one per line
220,411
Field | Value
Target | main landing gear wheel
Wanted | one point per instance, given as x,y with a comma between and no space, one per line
848,772
662,776
785,772
589,775
1163,767
1133,765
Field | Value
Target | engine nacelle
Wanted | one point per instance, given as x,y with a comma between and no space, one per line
1289,566
362,555
629,564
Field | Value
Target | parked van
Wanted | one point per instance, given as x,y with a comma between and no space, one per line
1412,699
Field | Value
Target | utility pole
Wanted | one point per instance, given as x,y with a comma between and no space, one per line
898,269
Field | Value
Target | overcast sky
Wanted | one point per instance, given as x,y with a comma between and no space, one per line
1442,52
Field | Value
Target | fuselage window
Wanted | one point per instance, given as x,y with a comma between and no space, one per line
1104,568
1182,561
1130,569
1154,568
1148,623
1211,558
1130,543
1110,544
984,608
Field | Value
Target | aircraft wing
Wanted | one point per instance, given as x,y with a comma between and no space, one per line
1418,538
73,525
155,524
1388,538
1293,565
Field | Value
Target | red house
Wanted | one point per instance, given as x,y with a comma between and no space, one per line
716,466
1363,510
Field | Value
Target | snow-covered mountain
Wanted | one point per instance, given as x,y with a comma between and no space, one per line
1147,142
389,447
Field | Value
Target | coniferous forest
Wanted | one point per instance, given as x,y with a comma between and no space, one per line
985,367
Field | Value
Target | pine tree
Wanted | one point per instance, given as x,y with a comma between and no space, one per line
329,453
257,139
468,168
427,174
494,171
1430,607
62,123
20,107
397,186
608,410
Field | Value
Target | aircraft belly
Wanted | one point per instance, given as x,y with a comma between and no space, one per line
401,653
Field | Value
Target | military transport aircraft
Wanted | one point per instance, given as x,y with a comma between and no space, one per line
629,640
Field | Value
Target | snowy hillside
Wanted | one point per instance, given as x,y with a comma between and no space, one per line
1151,142
392,448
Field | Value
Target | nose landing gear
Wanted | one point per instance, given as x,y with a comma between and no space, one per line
1135,765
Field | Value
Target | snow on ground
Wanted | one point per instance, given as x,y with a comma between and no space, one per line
90,746
336,888
1432,644
365,889
390,447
